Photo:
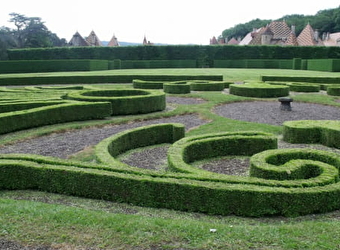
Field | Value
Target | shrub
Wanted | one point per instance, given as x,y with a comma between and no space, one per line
259,90
124,101
180,87
305,131
333,90
206,86
140,84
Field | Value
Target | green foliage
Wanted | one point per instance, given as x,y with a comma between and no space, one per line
57,113
333,90
254,63
323,21
124,101
180,87
31,66
323,132
154,64
330,65
140,84
207,86
310,79
261,90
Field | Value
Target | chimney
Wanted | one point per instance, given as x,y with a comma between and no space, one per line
316,35
293,28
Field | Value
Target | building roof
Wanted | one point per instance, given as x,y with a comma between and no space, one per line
292,40
332,39
308,37
78,40
233,41
280,30
113,42
93,40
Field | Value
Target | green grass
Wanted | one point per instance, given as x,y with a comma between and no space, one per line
36,218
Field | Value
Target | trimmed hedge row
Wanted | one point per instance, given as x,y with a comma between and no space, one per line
309,79
333,90
154,64
111,147
205,53
329,65
140,84
197,190
91,79
261,90
124,101
180,87
60,113
299,86
206,86
326,132
255,63
32,66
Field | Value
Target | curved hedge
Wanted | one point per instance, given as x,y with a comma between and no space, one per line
177,87
55,113
207,86
140,84
261,90
333,90
124,101
289,182
299,86
326,132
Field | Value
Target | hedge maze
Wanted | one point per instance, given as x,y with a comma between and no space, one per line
287,182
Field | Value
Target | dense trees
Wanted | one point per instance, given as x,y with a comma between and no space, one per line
323,21
30,32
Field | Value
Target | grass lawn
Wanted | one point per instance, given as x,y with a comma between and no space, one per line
37,218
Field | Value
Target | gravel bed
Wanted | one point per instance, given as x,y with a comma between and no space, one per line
67,143
270,113
184,100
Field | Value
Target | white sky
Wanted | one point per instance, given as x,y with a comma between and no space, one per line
171,22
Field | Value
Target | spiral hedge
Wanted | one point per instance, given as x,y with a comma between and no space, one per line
287,182
261,90
326,132
124,101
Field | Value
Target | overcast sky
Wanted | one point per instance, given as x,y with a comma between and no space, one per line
161,21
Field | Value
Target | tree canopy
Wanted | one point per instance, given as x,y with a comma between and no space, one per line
323,21
30,32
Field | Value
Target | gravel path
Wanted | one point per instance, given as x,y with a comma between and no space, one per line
270,113
64,144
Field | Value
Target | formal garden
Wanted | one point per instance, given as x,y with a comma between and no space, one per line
171,158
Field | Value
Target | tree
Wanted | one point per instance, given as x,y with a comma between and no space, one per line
31,32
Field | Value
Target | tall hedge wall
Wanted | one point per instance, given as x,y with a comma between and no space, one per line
205,54
32,66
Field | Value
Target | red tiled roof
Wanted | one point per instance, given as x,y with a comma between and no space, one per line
78,40
93,40
306,37
113,42
292,40
233,41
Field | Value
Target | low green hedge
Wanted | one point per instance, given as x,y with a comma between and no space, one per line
206,86
180,87
302,181
111,147
309,79
60,113
326,132
259,90
140,84
255,63
154,64
124,101
333,90
299,86
100,78
33,66
190,149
